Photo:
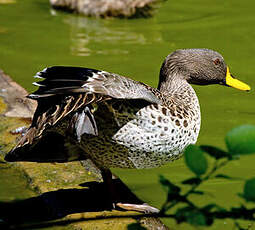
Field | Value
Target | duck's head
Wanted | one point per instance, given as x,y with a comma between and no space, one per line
199,66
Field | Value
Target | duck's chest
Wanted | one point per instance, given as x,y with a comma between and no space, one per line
149,137
159,134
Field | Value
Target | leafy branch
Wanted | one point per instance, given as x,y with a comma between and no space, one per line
239,141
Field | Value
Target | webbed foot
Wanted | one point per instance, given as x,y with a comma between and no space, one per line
144,208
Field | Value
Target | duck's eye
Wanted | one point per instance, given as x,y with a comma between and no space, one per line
216,61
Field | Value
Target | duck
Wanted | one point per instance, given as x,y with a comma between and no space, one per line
117,122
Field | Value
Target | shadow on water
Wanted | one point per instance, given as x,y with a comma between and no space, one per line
45,210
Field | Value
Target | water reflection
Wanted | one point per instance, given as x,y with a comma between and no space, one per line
90,36
3,30
7,1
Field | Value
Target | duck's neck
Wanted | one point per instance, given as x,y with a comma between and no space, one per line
179,90
180,93
171,83
176,85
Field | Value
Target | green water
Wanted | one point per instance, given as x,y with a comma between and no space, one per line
32,36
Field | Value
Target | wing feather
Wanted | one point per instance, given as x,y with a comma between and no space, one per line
69,80
71,91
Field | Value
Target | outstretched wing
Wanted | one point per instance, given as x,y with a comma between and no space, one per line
69,80
67,89
70,91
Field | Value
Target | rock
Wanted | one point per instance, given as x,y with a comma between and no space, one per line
15,98
108,8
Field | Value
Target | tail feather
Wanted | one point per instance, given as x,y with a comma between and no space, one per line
25,140
52,147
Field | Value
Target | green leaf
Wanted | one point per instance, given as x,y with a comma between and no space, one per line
209,207
195,159
198,192
241,140
224,176
249,190
172,188
215,152
191,215
192,181
197,219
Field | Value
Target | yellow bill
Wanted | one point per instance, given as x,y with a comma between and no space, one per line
233,82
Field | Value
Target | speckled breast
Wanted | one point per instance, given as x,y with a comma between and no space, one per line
150,137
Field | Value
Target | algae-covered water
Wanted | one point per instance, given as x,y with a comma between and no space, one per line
32,36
